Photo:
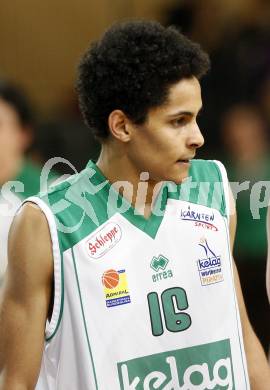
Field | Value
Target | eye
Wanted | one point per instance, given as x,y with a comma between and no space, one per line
178,122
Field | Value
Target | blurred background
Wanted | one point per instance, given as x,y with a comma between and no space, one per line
41,43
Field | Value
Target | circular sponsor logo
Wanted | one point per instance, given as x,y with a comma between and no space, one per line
110,279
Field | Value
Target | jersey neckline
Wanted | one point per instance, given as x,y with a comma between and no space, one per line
150,225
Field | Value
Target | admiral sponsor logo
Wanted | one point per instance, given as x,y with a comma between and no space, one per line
210,268
204,367
160,264
115,287
103,240
202,220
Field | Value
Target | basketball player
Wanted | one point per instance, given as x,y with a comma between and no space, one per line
126,267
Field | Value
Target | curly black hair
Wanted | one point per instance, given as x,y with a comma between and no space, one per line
131,68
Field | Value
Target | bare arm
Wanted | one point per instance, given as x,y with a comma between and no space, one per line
25,300
259,371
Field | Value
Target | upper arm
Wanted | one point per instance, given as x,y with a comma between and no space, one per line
25,298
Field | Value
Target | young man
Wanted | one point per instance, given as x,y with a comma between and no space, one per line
128,263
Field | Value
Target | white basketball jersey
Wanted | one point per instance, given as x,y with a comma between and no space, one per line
141,303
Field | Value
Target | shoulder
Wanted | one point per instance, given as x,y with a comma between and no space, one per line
29,246
59,188
29,218
207,170
74,207
208,185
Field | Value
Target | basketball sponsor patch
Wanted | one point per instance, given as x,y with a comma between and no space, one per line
203,220
159,266
202,367
103,240
209,267
115,287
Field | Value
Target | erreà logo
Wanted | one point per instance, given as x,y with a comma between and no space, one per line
204,367
159,265
103,240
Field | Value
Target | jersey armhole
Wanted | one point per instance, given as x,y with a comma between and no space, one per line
225,182
58,299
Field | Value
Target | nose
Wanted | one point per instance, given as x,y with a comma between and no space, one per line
195,139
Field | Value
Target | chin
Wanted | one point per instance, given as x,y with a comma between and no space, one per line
179,177
176,176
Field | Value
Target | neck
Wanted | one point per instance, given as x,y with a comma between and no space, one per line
135,186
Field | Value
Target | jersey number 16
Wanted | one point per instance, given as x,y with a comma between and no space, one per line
173,300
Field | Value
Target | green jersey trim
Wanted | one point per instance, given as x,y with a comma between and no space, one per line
149,225
239,327
58,273
87,200
226,187
205,186
50,336
83,316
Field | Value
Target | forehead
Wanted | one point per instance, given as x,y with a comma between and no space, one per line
186,91
185,95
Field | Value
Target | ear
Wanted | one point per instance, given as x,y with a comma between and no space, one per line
120,126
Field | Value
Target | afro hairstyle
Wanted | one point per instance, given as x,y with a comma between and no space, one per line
131,68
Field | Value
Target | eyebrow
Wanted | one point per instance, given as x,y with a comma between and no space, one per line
190,113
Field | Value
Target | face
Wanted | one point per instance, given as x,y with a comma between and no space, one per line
165,144
11,142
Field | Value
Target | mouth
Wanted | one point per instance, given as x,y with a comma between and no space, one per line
185,161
